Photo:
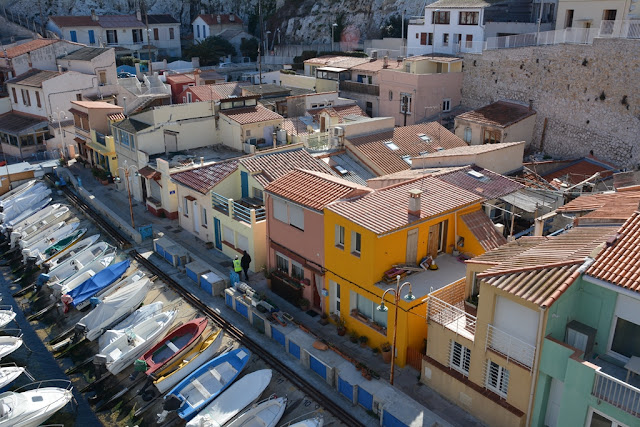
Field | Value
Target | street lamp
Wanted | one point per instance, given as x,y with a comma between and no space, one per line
384,308
60,115
333,27
126,169
266,45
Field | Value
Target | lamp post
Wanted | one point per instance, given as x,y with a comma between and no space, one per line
266,45
60,115
433,45
126,170
384,308
333,27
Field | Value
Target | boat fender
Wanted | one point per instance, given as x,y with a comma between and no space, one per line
66,300
42,279
94,301
172,403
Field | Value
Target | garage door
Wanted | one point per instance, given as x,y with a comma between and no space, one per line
389,420
278,336
345,389
228,299
318,367
365,399
242,309
294,349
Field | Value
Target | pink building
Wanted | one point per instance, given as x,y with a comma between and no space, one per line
295,231
422,88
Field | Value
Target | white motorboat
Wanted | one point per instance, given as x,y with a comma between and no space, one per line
23,203
80,277
128,278
71,252
44,218
6,315
30,408
264,414
8,201
316,421
44,246
140,315
9,344
59,246
8,373
238,396
72,266
27,213
135,342
114,308
43,240
16,191
37,235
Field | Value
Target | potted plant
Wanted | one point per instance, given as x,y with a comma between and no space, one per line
304,304
363,341
340,327
353,337
376,350
385,348
324,319
366,373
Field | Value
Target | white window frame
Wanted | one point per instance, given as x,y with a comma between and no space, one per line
355,250
501,387
285,259
446,105
468,138
463,354
189,97
339,236
203,220
185,207
614,422
335,289
299,267
381,317
258,194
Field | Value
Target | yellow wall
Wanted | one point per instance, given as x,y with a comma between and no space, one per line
324,85
108,150
426,66
378,254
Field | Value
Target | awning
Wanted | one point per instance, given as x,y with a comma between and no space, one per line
149,173
190,198
332,69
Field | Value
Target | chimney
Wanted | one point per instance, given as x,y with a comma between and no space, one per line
196,76
414,202
94,17
385,63
232,17
219,19
530,104
201,161
139,15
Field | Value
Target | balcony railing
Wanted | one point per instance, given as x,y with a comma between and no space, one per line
616,392
356,87
451,317
626,29
510,347
236,210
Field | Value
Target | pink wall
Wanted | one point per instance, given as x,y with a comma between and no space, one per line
428,91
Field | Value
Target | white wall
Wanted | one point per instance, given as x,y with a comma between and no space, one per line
61,90
33,108
43,58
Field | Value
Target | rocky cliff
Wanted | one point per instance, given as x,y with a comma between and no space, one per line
299,21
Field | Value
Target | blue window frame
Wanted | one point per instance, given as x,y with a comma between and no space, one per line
74,36
92,37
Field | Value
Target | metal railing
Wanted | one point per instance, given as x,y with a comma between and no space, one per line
220,202
244,213
318,141
367,89
510,347
617,393
625,29
451,317
100,139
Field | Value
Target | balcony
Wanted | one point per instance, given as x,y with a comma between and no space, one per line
446,307
626,29
247,210
614,385
367,89
509,346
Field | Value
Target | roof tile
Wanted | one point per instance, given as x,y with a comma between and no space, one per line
268,167
23,48
204,178
247,115
501,114
490,186
484,230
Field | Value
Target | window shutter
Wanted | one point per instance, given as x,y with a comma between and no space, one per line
296,216
280,210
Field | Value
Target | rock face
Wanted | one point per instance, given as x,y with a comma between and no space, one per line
299,21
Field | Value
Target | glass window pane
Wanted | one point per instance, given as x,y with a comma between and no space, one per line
598,420
625,340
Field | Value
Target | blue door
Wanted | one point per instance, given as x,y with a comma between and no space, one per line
294,349
318,367
216,228
160,250
389,420
244,182
228,300
365,399
74,36
277,336
242,309
345,389
92,37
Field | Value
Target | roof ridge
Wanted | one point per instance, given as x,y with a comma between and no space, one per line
529,268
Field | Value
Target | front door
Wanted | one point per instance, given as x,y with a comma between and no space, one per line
196,217
434,240
412,246
244,183
318,282
553,403
216,230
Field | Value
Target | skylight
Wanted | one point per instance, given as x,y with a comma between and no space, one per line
391,146
342,171
424,137
407,159
477,175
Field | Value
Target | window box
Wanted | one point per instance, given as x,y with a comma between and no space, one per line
286,286
370,323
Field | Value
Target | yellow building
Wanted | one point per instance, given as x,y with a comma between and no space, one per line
400,225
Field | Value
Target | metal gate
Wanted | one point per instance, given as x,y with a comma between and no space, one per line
318,367
389,420
365,399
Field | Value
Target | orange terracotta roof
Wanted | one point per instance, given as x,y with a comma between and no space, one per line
270,166
472,149
23,48
612,206
314,190
340,111
247,115
116,117
619,264
96,104
481,181
580,170
386,209
500,114
409,143
225,18
34,77
483,229
180,78
204,178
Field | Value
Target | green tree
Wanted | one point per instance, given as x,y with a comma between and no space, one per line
210,50
249,47
393,27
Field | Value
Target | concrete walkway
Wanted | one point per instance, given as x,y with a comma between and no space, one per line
406,379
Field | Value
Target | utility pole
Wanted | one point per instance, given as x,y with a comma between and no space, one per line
44,32
146,18
402,36
260,44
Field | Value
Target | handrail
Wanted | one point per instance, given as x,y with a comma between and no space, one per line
510,346
617,393
449,315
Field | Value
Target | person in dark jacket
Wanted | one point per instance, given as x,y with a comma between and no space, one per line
245,261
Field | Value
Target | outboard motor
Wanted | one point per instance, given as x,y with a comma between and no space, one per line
79,331
42,280
100,364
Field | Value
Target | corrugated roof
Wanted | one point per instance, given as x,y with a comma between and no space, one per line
386,209
217,91
14,122
85,53
312,189
225,18
619,264
23,48
409,143
268,167
500,114
481,226
34,77
247,115
204,178
488,184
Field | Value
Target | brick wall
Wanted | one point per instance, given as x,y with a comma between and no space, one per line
587,94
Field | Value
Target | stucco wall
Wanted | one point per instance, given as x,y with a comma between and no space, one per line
580,90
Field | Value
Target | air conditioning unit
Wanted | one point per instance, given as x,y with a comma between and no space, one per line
374,54
252,141
338,131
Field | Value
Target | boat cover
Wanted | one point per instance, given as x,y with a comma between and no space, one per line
140,315
23,203
63,243
29,212
16,191
113,307
95,284
10,200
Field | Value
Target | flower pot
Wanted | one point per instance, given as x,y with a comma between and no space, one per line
363,344
342,331
269,283
386,356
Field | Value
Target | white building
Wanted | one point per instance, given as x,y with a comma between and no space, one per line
207,25
126,32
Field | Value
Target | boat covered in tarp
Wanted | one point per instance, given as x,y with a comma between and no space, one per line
98,282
